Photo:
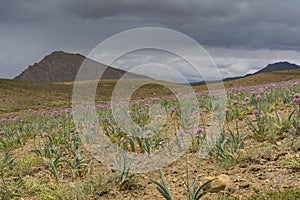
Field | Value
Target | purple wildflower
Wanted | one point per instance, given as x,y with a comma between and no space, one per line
105,119
235,102
2,133
226,110
44,134
255,112
202,111
92,128
173,110
181,134
200,130
143,113
296,98
148,133
258,98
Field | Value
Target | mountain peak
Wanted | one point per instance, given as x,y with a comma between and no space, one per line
60,66
60,53
278,66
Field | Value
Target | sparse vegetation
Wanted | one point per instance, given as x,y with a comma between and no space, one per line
43,156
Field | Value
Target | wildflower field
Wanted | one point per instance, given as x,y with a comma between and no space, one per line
256,155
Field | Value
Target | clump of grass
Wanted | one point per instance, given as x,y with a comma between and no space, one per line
288,194
227,197
11,189
26,165
44,189
94,186
294,164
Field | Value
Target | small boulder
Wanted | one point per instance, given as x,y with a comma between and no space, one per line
219,183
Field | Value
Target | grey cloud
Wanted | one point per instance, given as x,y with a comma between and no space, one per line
29,11
248,24
33,28
154,8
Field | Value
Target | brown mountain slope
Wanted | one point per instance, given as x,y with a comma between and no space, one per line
60,66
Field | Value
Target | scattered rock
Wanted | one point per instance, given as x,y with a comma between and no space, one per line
175,180
261,176
282,153
255,169
269,170
262,161
244,185
267,157
289,156
274,157
243,165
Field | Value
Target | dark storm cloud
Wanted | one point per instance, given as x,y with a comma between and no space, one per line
248,24
29,11
33,28
148,8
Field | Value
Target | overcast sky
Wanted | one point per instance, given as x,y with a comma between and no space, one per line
241,36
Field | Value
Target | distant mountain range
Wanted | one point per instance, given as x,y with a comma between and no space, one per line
60,66
278,66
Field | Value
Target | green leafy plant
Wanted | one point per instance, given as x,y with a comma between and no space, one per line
195,191
77,164
53,165
123,171
163,187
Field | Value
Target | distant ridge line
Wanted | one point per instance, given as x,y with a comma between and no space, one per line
278,66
